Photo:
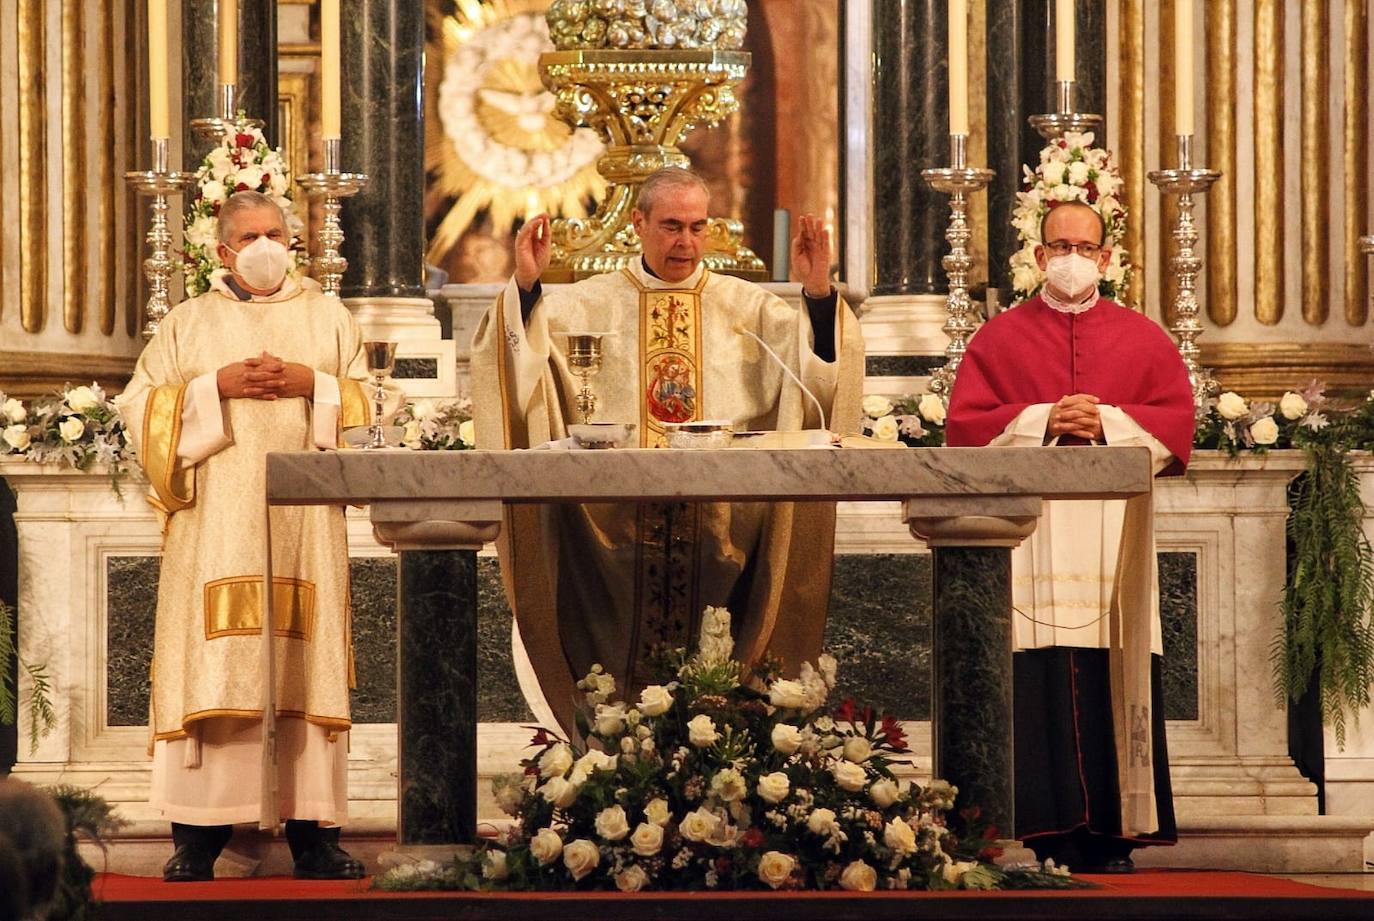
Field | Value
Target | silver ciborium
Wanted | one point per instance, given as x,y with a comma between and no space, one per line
381,359
584,358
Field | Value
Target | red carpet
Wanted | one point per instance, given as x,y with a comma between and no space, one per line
1157,894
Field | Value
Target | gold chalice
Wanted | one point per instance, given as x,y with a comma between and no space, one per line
381,359
584,357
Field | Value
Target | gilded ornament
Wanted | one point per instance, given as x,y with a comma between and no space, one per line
663,10
594,30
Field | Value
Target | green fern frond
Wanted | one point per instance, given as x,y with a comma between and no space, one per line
9,694
41,712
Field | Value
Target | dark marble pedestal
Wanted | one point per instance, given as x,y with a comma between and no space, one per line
436,697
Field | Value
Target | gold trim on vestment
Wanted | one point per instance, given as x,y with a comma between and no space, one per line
233,607
173,485
354,408
669,357
335,724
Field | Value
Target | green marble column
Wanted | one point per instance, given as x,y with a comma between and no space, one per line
383,136
257,76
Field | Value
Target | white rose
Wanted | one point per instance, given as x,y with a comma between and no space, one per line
555,761
657,812
883,793
421,410
610,719
932,408
71,429
859,877
494,864
775,867
1231,405
1265,431
857,749
631,879
250,176
581,857
655,700
728,785
81,399
900,836
953,872
849,776
829,669
595,761
886,428
787,693
1078,172
786,738
698,824
17,437
509,794
875,405
1293,406
1053,172
701,731
221,163
545,846
560,791
1025,277
647,839
821,821
411,436
213,192
467,433
14,411
774,787
611,823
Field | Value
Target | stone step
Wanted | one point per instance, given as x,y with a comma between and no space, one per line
1268,844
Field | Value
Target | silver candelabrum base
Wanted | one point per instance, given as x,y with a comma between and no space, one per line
159,182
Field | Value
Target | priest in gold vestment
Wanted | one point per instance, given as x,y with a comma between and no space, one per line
208,399
605,583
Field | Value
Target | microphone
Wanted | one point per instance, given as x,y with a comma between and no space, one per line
782,364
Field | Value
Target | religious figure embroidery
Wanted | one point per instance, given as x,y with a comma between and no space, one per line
672,395
1140,736
670,358
666,558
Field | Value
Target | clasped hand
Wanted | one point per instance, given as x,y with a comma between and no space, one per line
266,377
1076,414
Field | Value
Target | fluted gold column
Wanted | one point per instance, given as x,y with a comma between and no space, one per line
1316,142
75,258
1220,27
135,206
1168,156
33,175
1131,131
105,288
978,135
1269,161
1355,149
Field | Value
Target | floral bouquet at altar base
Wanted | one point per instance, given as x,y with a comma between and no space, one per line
78,428
438,425
722,777
1070,169
915,421
241,162
1232,424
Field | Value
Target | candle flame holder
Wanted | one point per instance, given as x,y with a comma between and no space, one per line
333,186
1057,124
1186,181
958,181
159,182
229,120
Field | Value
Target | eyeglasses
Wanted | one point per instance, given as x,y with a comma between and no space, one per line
1064,247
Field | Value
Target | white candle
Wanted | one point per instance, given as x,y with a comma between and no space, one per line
228,41
1183,67
958,67
782,244
157,69
1063,40
329,69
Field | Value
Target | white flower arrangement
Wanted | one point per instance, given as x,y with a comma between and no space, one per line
1070,169
1233,424
438,425
242,161
79,428
916,421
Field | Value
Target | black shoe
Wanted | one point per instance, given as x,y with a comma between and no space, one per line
190,864
327,860
1115,865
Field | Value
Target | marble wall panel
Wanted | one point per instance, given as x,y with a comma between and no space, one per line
1178,594
132,605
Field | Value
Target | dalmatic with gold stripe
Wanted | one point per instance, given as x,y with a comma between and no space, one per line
204,460
604,583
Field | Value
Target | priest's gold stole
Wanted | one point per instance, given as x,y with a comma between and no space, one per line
670,358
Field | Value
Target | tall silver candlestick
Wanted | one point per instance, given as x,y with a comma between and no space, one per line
1185,181
958,181
1057,124
159,182
1367,248
228,120
333,186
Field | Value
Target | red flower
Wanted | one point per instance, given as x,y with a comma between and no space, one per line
845,711
243,140
267,179
990,853
892,730
752,838
541,737
241,187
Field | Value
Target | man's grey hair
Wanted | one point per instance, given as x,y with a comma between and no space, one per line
661,181
240,202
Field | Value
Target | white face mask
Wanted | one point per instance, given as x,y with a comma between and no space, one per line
1072,275
262,263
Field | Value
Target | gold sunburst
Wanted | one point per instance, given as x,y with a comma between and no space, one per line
492,141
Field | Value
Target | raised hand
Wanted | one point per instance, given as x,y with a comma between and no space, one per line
811,256
533,245
1076,414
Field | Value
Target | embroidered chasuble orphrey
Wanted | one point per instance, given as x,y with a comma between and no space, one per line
605,583
204,459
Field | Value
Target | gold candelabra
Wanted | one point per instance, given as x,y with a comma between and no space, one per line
159,182
958,181
641,102
333,186
1186,181
228,120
